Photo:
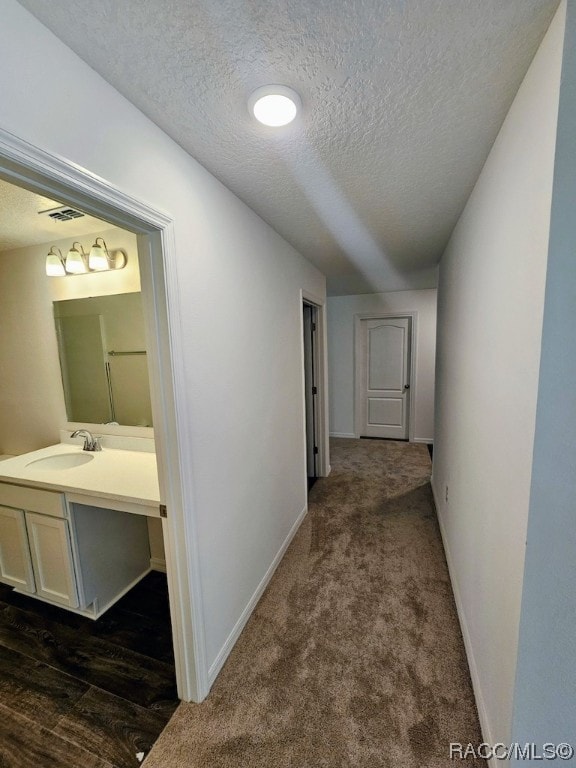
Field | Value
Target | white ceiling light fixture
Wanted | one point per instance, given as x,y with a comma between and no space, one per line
55,263
76,260
274,105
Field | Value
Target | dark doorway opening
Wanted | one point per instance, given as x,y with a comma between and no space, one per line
310,326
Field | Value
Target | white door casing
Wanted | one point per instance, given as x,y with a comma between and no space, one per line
311,389
383,377
318,305
58,178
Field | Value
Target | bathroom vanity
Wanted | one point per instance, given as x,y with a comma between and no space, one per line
73,524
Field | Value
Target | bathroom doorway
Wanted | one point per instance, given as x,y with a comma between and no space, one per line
44,174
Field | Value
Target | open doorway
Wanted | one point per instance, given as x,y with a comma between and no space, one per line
82,568
310,326
47,175
315,388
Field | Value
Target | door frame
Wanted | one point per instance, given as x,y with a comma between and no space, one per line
310,312
321,368
413,315
53,176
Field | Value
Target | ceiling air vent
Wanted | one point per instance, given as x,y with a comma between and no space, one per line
64,213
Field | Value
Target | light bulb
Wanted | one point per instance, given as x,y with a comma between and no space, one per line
76,261
54,264
99,258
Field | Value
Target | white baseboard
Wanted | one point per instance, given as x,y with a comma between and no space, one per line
157,564
218,662
427,440
342,434
476,685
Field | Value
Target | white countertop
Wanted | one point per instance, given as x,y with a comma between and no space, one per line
113,474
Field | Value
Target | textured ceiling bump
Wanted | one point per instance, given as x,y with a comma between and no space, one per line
402,102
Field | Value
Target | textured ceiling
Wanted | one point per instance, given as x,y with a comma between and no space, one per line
402,102
21,226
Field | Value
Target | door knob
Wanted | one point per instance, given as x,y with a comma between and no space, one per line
406,386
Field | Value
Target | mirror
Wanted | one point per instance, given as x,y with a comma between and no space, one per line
102,351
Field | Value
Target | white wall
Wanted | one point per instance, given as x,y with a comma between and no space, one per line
490,308
32,409
240,313
545,700
341,312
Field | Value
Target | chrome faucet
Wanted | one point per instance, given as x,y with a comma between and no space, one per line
91,443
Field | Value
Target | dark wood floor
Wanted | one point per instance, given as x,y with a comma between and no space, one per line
83,693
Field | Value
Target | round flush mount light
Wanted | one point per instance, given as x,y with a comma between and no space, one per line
274,105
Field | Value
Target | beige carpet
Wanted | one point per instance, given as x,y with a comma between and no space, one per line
354,656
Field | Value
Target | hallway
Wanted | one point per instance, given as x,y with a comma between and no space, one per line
354,655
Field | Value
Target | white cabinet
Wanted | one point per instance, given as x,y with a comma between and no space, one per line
51,552
15,561
35,552
77,556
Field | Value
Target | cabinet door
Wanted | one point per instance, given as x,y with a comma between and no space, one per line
15,562
49,539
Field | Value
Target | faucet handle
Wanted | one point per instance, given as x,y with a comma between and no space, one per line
96,444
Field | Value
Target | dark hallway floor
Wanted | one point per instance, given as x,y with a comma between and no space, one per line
77,693
353,656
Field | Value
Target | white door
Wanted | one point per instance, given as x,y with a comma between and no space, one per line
15,562
52,559
384,377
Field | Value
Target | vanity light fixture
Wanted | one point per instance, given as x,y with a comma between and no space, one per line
274,105
101,259
76,261
55,263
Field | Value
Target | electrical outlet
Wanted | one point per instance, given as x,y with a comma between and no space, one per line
446,495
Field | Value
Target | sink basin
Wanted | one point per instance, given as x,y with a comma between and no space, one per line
61,461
